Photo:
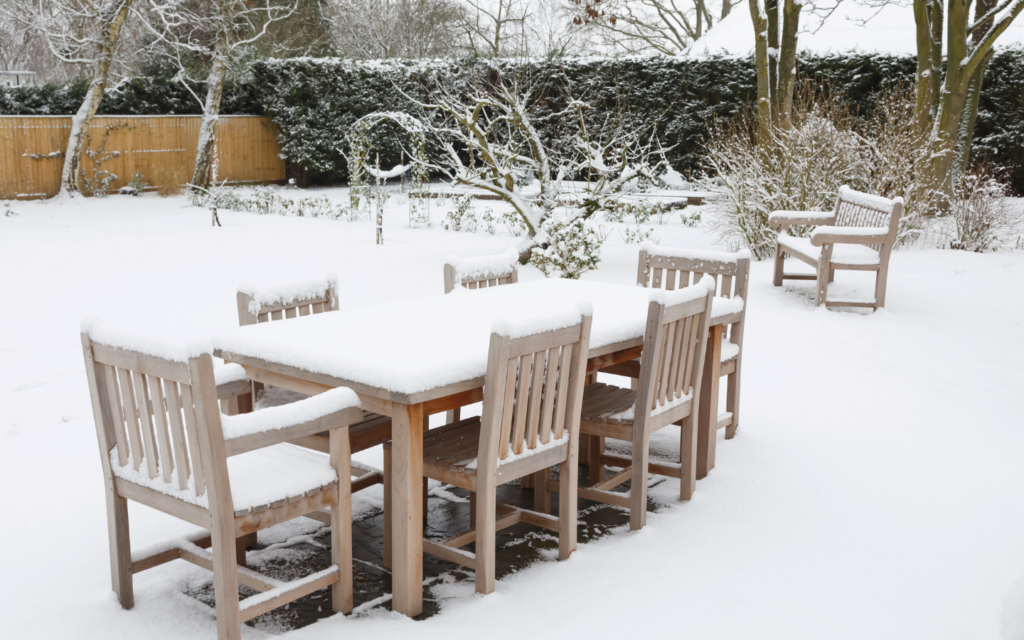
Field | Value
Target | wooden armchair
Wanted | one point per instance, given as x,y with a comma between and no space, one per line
238,394
857,235
530,422
670,268
670,385
164,443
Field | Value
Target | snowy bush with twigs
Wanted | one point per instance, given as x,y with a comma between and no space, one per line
573,248
981,217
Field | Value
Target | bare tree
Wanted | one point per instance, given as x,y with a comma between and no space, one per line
666,26
79,32
397,28
496,27
219,31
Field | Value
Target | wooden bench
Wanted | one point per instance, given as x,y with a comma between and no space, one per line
164,443
858,235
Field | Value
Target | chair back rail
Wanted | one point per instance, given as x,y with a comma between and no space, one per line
856,209
674,271
252,312
492,275
673,353
149,419
536,387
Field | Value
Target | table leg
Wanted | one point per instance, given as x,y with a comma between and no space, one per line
707,425
407,509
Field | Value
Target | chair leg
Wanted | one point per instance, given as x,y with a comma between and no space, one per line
596,468
687,458
120,548
780,263
568,479
426,491
831,276
454,415
472,507
824,263
732,399
880,278
526,482
386,560
240,545
486,508
341,522
584,449
225,583
229,406
245,403
638,484
541,496
707,410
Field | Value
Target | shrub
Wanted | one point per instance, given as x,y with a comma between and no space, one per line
573,248
981,217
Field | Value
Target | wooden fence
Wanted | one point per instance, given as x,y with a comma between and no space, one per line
161,148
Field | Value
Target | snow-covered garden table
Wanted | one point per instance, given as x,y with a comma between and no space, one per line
418,357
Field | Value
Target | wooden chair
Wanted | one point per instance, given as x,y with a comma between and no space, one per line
479,273
670,385
530,422
237,394
857,235
671,268
482,271
164,443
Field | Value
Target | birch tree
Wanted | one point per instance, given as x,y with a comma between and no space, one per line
80,32
218,31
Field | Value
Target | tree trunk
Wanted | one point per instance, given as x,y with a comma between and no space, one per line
772,8
928,18
787,55
115,16
965,140
201,176
764,106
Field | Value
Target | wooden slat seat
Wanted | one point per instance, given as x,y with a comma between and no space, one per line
603,401
842,255
858,235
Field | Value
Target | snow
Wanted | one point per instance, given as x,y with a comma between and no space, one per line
439,339
695,254
841,253
681,296
855,25
528,321
801,215
287,292
849,231
869,200
289,415
133,338
872,489
628,414
230,372
484,267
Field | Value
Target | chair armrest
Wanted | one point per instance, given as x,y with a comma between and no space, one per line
329,410
231,381
849,235
784,219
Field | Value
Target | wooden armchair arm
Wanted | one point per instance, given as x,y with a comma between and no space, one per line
849,235
231,381
329,410
782,220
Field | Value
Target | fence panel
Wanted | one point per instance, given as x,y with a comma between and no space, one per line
161,148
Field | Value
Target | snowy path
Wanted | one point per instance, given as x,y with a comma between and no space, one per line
874,488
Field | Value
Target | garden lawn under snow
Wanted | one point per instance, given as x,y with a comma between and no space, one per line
873,490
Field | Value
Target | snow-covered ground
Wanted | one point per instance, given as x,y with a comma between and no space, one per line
874,489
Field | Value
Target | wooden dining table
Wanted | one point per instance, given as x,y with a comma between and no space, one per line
413,358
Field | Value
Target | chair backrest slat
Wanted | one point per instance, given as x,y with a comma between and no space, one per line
160,423
539,377
145,423
482,272
257,306
857,209
131,419
178,440
192,430
113,400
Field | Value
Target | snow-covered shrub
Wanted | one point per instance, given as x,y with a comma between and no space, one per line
981,216
462,217
573,248
513,223
97,181
638,235
800,167
689,219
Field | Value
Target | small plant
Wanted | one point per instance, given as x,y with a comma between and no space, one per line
513,223
637,235
690,219
170,181
487,221
573,248
8,211
981,216
98,181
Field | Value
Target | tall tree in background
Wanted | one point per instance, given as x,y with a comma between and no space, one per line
217,33
377,29
496,27
79,32
774,57
947,103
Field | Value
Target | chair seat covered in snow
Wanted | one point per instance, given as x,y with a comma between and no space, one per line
669,386
238,395
858,235
165,444
530,422
674,268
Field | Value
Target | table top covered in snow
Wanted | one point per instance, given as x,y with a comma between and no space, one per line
413,346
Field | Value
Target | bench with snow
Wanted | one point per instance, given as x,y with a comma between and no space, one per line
164,443
858,235
237,393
